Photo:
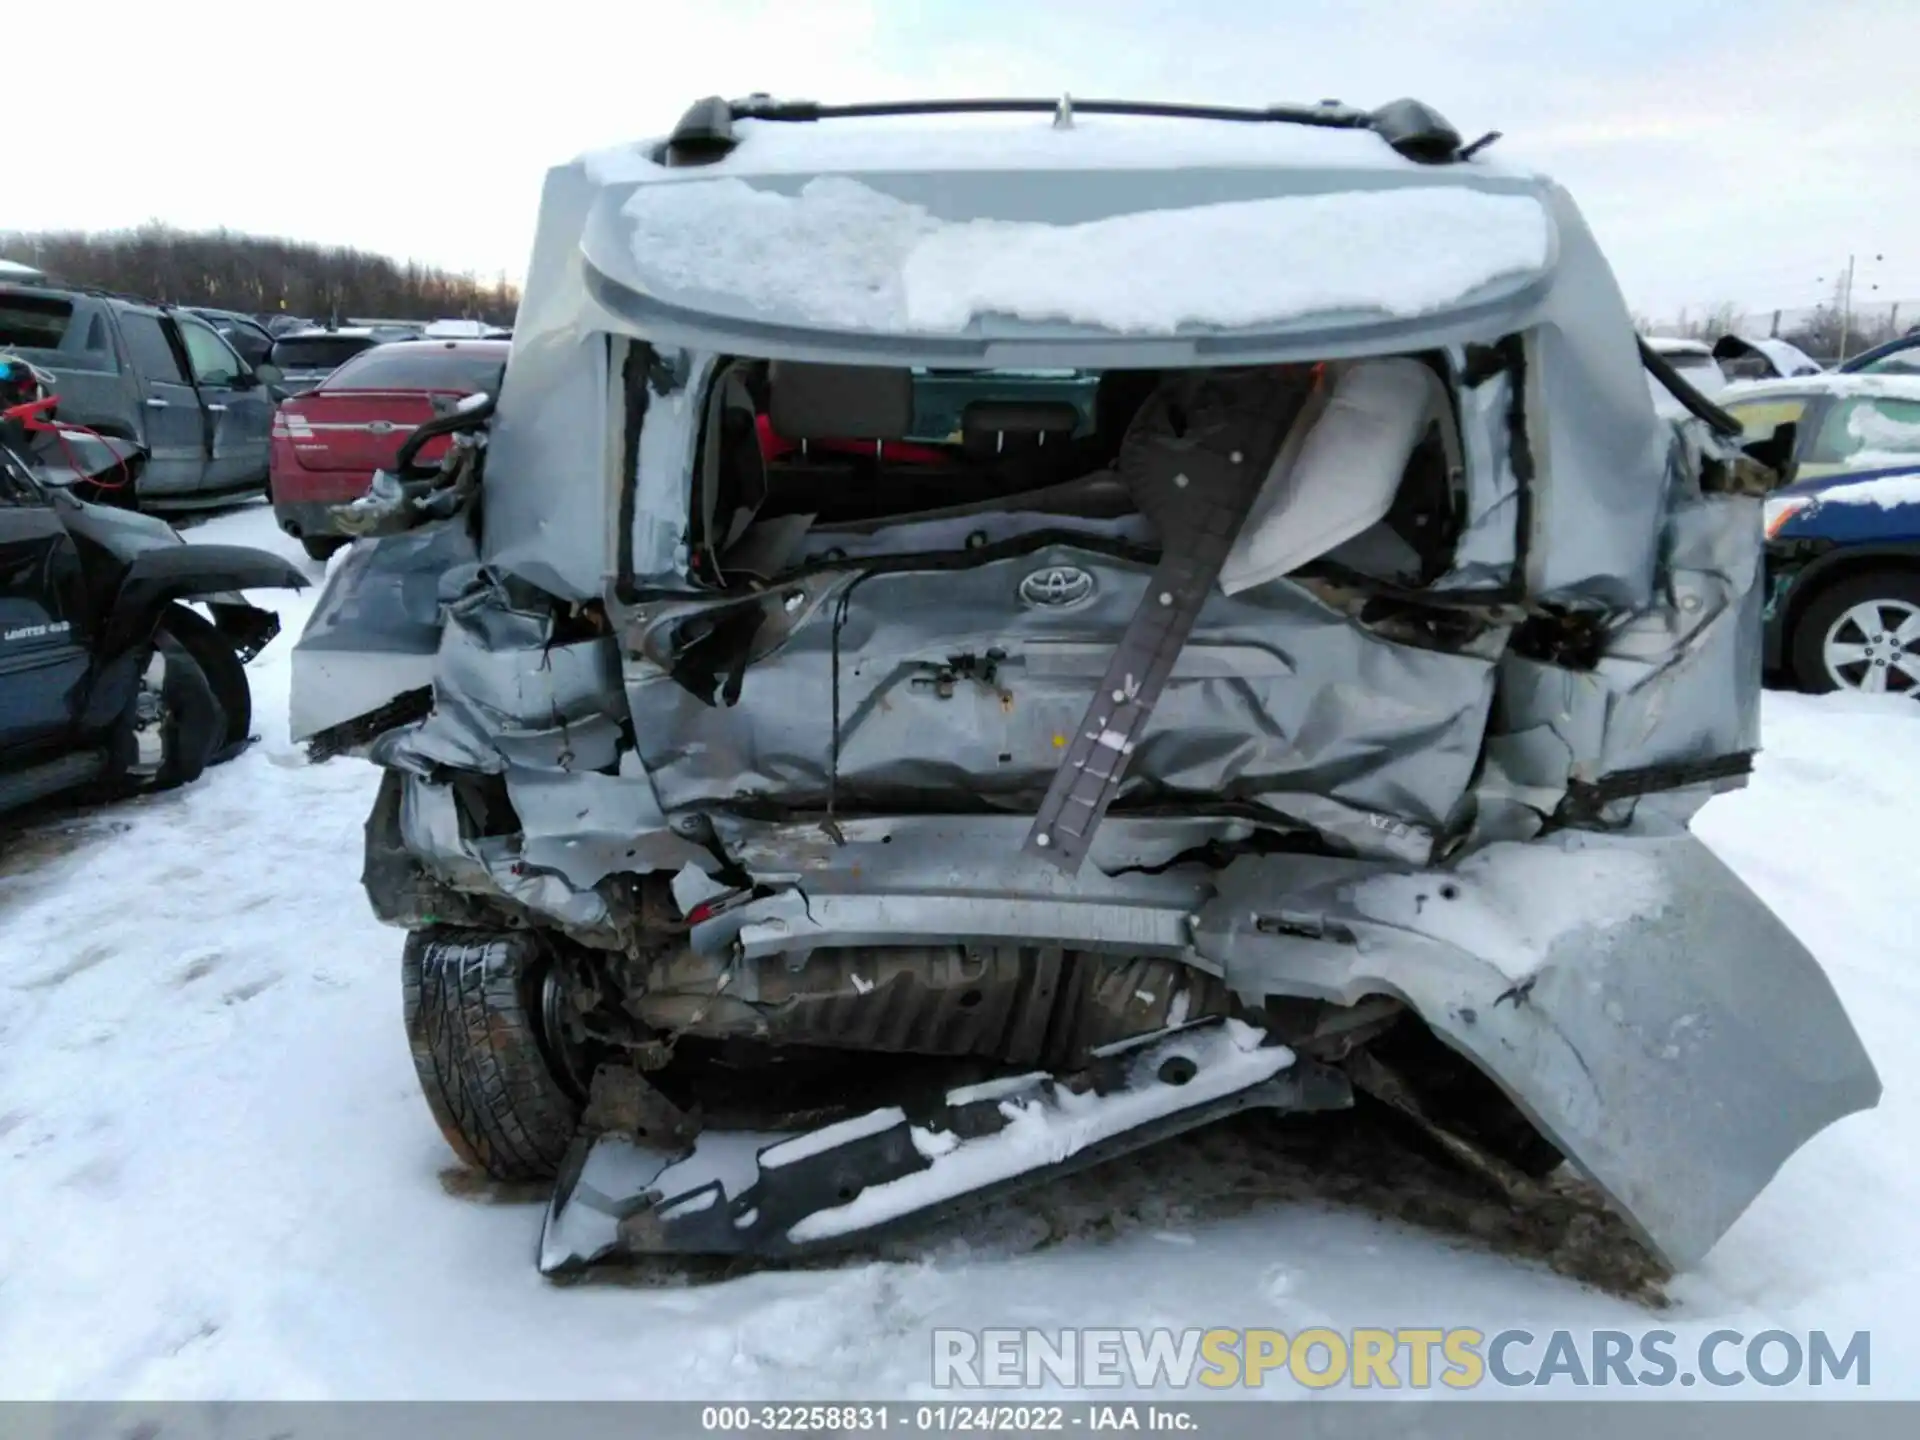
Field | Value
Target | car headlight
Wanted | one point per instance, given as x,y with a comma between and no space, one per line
1779,511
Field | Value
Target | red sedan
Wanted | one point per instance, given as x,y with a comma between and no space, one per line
328,442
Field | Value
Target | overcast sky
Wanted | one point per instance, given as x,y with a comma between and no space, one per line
1724,150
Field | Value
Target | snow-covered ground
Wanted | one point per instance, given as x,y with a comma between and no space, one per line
217,1177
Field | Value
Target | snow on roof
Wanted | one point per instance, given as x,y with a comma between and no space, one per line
320,332
461,330
1786,358
1671,345
481,345
1024,142
845,254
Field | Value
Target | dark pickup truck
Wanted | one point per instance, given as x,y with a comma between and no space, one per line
109,682
160,377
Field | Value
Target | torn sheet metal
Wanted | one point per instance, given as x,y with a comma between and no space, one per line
1636,1001
510,662
590,826
795,850
1676,684
431,829
551,460
1596,449
930,881
508,694
1377,751
1484,554
670,409
376,627
1687,670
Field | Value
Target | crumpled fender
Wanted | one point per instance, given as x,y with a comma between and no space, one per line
1652,1016
374,632
122,533
185,572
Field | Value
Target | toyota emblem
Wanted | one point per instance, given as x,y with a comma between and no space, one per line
1058,587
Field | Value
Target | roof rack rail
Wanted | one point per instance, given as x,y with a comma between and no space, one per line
92,292
1415,130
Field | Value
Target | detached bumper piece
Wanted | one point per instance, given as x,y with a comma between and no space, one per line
778,1195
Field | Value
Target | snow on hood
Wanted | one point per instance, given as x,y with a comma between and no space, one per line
1887,491
843,254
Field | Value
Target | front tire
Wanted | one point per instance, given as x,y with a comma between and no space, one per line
1861,634
174,724
225,675
473,1002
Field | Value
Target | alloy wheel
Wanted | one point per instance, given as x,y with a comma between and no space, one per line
1875,647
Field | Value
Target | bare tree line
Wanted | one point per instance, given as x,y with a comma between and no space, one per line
259,275
1823,331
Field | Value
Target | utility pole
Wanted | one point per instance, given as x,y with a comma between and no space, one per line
1846,310
1846,301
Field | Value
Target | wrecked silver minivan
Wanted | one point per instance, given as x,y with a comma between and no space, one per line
962,650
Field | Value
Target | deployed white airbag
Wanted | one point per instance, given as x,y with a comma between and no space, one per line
1338,469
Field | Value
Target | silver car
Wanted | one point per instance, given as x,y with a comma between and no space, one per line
959,652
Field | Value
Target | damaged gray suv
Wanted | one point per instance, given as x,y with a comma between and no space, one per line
964,648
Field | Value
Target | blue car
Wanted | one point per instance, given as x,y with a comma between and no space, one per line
1895,357
1843,534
